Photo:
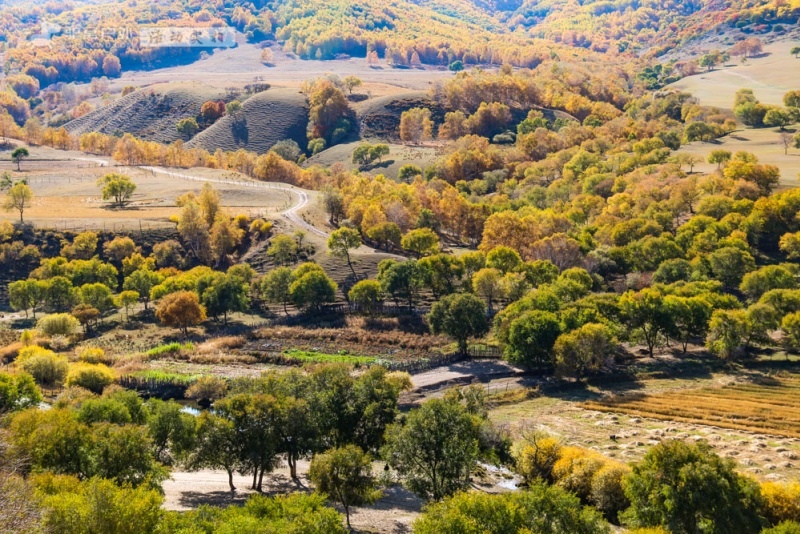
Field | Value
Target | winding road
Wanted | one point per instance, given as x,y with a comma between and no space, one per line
291,214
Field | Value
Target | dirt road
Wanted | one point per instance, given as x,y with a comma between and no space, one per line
290,214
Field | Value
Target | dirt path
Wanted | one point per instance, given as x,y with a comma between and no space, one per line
290,214
464,371
392,513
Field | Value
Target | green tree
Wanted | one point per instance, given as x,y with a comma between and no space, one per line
531,338
584,350
222,294
142,281
401,280
187,127
408,172
27,295
647,316
486,283
777,117
312,289
366,294
275,287
217,446
118,187
97,296
687,488
387,234
539,508
461,317
421,242
456,66
720,157
690,317
169,428
730,264
790,325
18,155
756,283
283,249
18,198
126,300
436,450
341,241
441,273
345,474
503,258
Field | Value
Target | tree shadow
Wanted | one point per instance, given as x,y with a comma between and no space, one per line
195,499
378,165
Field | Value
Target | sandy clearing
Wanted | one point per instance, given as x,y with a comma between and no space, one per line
770,77
393,513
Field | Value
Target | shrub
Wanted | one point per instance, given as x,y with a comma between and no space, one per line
540,509
207,388
59,342
575,469
170,348
57,324
93,355
94,377
45,366
18,392
608,489
781,501
787,527
535,458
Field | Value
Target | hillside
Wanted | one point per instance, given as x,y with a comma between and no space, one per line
150,113
265,119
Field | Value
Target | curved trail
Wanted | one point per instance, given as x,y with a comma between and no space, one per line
291,214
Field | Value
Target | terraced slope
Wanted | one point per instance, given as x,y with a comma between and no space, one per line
150,113
265,119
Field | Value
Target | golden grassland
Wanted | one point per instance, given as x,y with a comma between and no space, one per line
768,405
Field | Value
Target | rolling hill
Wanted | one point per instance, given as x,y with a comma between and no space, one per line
150,113
266,118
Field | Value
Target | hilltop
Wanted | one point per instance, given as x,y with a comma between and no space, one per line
149,113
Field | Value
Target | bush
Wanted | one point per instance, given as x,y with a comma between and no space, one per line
57,324
18,392
536,458
575,469
94,355
94,377
688,488
170,348
207,388
781,501
608,489
540,509
788,527
45,366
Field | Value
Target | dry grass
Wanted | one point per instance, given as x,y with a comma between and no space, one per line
221,344
367,337
769,405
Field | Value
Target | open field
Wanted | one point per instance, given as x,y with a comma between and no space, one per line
242,65
595,415
763,142
768,405
769,76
